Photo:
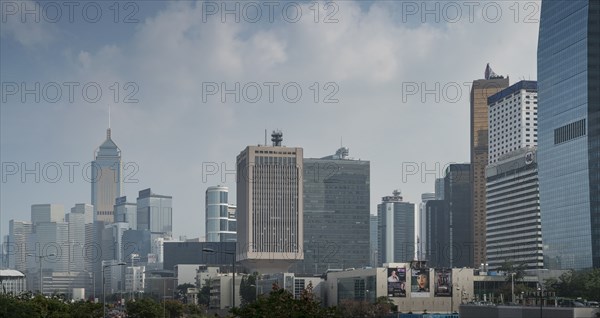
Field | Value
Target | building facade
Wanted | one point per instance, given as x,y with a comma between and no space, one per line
336,214
126,212
514,229
221,222
421,225
480,91
437,233
512,119
569,133
458,198
155,213
396,229
270,206
106,179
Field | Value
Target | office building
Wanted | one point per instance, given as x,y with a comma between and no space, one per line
421,225
106,179
396,229
437,234
86,209
457,195
16,245
77,243
126,212
270,206
47,213
155,213
439,189
220,216
373,235
480,91
514,232
336,213
512,119
569,133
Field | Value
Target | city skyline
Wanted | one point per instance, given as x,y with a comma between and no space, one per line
165,138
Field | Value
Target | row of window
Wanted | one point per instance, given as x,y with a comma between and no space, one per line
569,131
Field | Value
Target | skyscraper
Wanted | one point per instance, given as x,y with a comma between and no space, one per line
421,237
396,229
86,209
47,213
373,238
480,91
220,216
155,213
106,179
457,197
336,213
569,133
437,233
270,206
513,224
16,247
126,212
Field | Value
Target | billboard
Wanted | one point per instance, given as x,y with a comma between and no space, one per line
396,282
443,282
419,280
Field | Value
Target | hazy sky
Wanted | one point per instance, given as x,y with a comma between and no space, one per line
161,67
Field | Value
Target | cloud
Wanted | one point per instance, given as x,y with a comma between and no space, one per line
30,30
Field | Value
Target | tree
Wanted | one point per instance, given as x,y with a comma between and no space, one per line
181,291
281,303
248,289
143,308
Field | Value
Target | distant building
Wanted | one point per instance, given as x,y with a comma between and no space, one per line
512,119
155,213
480,91
12,282
86,209
126,212
16,246
106,179
457,194
181,253
420,235
221,222
374,223
514,226
396,229
47,213
437,233
336,213
270,206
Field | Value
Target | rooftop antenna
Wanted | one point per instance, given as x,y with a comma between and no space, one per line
265,137
108,130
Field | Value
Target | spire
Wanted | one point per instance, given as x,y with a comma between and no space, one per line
108,130
490,74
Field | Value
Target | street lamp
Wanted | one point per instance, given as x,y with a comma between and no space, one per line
210,250
104,283
512,276
41,257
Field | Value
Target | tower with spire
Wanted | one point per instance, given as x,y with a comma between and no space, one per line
106,178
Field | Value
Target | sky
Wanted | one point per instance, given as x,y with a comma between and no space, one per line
190,84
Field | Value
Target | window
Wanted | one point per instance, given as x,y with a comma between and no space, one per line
569,131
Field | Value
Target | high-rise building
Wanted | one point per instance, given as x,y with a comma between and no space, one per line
155,213
457,195
437,233
374,223
513,224
569,133
77,243
396,229
336,213
421,225
270,206
480,91
221,222
512,119
514,231
47,213
86,209
106,179
126,212
439,189
52,238
16,246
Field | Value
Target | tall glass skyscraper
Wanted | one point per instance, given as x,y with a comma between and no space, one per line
106,179
220,216
396,229
569,133
336,213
